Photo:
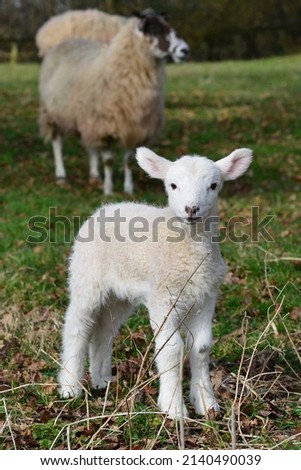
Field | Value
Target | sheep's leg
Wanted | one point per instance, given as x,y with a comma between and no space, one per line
57,146
94,169
108,165
106,328
128,175
169,354
76,336
199,341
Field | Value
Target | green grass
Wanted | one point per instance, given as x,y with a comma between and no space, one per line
210,110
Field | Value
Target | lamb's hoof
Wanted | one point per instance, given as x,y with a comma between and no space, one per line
205,407
177,415
213,412
99,388
98,392
68,391
174,411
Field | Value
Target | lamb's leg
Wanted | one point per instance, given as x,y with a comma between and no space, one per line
199,340
128,175
76,336
169,353
100,353
108,165
107,325
94,170
57,146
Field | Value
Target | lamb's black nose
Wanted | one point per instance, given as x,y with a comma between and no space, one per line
191,211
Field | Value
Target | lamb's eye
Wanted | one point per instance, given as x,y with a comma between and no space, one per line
173,186
213,186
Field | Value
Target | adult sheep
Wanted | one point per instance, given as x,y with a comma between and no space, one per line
105,93
168,259
86,24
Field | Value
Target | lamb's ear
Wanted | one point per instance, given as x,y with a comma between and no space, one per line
151,163
235,164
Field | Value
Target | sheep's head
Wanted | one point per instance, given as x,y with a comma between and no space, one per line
193,182
164,40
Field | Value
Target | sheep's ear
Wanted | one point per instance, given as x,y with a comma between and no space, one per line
235,164
151,163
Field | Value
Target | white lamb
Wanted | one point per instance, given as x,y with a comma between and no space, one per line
108,93
165,258
86,24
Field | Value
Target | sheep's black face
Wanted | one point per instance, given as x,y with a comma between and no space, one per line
164,39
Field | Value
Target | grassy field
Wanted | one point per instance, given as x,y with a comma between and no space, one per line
211,109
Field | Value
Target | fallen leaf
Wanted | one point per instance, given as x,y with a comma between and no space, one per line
296,313
231,278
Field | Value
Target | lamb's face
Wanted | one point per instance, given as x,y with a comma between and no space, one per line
164,40
192,184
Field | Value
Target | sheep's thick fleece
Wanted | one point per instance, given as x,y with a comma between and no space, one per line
103,92
87,24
